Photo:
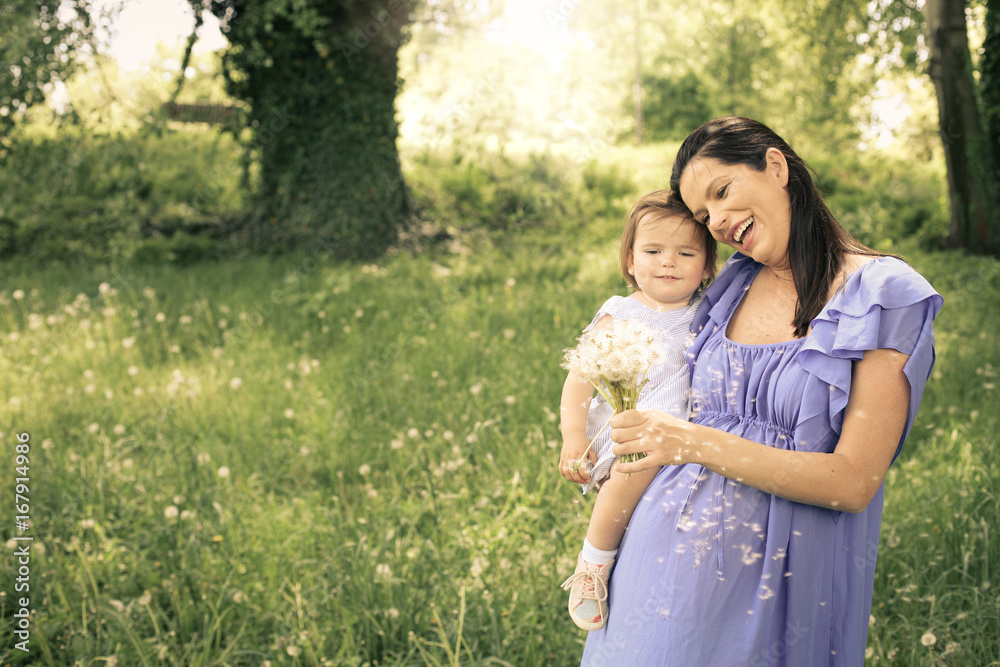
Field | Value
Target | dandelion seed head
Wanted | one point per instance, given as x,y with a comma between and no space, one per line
928,639
171,512
223,472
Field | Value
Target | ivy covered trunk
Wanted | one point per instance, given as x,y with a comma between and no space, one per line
321,80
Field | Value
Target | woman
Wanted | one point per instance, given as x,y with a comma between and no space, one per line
756,543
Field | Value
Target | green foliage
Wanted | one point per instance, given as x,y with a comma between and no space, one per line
883,200
503,195
105,196
673,106
40,45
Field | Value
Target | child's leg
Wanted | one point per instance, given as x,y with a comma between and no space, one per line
588,586
615,503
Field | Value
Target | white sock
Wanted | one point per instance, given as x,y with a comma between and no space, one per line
592,554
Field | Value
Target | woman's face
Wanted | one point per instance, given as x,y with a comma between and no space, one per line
746,209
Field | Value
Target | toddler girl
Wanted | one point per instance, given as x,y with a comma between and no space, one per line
666,257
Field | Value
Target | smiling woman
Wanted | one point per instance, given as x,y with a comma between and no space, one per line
756,542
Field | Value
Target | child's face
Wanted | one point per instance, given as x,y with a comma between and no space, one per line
667,260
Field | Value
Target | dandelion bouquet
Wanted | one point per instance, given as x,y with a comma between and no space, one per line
616,360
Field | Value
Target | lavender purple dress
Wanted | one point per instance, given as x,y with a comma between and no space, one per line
712,572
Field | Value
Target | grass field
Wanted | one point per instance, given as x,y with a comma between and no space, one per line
293,462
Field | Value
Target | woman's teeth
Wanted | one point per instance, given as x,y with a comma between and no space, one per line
738,236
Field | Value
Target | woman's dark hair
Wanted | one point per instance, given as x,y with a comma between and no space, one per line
817,243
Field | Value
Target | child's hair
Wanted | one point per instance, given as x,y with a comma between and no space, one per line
663,204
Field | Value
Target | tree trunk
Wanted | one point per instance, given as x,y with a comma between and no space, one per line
967,154
989,80
321,82
637,84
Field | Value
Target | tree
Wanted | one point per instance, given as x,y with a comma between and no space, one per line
989,80
320,80
971,173
39,46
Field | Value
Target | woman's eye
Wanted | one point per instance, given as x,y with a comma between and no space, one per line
723,190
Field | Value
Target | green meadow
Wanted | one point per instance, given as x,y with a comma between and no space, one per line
292,461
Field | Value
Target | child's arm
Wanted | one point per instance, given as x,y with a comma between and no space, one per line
576,396
573,408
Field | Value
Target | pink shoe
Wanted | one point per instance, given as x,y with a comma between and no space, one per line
588,594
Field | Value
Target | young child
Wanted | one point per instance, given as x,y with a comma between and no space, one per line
666,257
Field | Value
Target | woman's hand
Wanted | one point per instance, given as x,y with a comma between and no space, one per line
665,440
572,450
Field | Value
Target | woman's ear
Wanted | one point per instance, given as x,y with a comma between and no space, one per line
776,166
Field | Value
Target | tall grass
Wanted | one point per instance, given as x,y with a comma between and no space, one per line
286,461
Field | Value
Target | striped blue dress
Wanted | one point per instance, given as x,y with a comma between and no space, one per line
669,381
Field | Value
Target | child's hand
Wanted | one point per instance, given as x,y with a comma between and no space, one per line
569,459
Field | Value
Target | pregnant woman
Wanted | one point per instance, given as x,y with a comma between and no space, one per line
756,543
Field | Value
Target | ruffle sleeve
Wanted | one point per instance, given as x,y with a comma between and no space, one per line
883,304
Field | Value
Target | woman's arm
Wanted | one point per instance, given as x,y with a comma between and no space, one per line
845,479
